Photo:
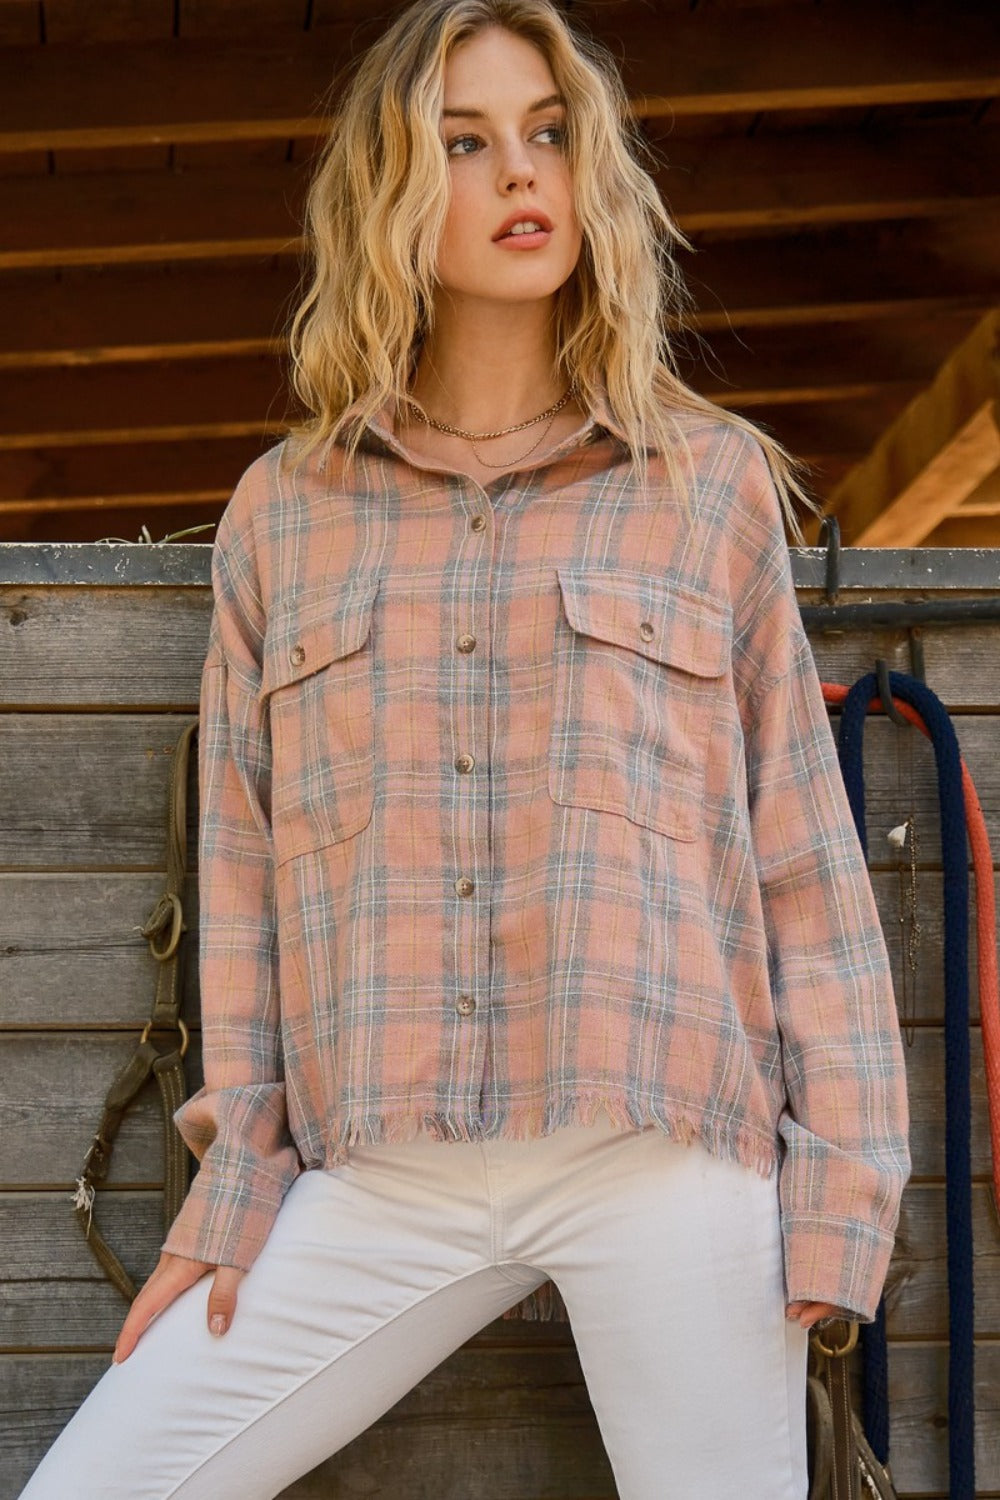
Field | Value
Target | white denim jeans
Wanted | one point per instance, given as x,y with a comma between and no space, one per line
669,1261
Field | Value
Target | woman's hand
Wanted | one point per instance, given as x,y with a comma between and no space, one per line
173,1275
809,1313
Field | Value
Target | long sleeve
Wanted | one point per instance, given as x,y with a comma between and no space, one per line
845,1122
236,1124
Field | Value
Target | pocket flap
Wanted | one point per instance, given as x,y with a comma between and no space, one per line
666,621
309,631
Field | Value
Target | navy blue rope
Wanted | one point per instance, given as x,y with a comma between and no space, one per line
958,1187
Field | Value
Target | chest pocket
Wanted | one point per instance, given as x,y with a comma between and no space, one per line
318,683
639,669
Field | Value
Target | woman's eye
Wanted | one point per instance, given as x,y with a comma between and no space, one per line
460,140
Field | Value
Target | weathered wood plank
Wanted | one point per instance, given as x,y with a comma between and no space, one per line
52,1086
917,1287
520,1422
524,1427
918,1400
143,647
54,1295
71,954
52,1090
64,808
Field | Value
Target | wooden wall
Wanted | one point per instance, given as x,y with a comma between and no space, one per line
100,656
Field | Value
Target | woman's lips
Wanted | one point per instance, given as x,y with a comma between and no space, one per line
525,241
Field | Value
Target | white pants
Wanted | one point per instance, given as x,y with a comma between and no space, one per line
669,1261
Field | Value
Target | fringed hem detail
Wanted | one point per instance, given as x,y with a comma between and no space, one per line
528,1122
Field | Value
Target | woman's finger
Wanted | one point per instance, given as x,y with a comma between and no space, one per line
222,1298
173,1275
809,1313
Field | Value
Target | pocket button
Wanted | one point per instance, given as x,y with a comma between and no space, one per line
297,655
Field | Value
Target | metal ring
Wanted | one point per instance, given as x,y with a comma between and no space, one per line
185,1034
845,1348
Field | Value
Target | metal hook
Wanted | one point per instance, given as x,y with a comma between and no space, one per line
885,693
830,528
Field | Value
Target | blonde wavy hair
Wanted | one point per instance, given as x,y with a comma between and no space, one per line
375,213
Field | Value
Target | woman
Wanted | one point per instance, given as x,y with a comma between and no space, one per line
538,953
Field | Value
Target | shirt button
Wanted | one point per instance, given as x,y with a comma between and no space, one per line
646,630
297,655
465,1005
464,886
466,643
477,523
464,762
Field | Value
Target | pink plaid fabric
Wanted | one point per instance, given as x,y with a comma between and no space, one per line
521,803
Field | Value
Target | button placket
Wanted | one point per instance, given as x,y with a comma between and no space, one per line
470,968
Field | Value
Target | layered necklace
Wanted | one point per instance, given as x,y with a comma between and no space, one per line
482,437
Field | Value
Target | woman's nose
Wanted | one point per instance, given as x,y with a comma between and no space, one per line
517,168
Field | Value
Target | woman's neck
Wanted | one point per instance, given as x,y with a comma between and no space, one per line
483,376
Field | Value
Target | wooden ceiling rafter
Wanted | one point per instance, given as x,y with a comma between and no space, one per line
190,89
732,185
935,455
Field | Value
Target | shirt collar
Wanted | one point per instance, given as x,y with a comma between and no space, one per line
599,414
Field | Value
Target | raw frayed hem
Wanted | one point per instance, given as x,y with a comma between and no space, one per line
530,1122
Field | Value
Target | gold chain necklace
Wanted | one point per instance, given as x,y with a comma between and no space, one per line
481,437
508,461
519,426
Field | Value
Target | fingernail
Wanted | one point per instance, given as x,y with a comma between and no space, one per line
218,1324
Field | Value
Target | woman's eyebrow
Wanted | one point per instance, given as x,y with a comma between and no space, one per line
477,114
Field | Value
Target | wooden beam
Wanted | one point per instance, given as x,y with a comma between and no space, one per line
830,176
110,218
126,403
857,272
737,59
91,316
64,473
705,62
822,361
937,451
806,178
984,499
862,274
139,400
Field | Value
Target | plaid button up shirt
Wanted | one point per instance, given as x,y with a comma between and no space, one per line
519,803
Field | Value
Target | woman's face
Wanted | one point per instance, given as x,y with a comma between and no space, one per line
507,159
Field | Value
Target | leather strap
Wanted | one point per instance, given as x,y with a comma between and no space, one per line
163,929
842,1465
